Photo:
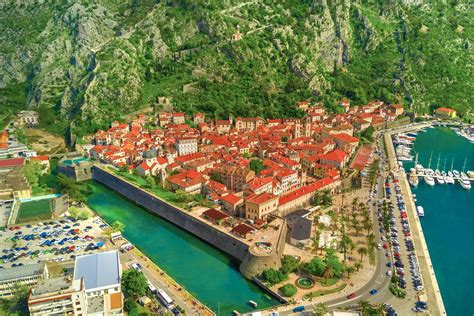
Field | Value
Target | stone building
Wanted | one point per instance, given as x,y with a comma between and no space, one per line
76,167
27,119
186,146
258,206
26,275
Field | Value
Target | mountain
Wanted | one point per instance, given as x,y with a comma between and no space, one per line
83,63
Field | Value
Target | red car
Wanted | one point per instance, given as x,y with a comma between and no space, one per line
385,246
17,227
352,295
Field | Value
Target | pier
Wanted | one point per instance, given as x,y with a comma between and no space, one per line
431,290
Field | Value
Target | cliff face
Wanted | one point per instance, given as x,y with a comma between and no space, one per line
89,62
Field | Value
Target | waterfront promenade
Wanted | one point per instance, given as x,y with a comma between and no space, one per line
431,287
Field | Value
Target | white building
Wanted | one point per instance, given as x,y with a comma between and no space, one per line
58,296
27,275
186,146
102,274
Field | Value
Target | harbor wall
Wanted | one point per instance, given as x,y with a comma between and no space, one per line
252,264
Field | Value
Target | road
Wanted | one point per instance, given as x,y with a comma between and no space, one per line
379,280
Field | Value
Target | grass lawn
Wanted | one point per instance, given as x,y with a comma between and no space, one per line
328,282
34,211
325,292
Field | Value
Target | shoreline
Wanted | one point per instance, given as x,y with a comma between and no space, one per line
432,291
178,289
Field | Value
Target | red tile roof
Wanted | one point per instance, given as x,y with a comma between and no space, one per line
346,138
231,199
260,198
40,158
307,189
335,155
12,162
242,229
215,214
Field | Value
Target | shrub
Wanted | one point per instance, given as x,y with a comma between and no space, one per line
288,290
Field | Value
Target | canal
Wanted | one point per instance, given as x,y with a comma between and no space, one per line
206,272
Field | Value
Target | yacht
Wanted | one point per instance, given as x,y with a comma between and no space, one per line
449,178
470,174
429,172
465,183
419,168
456,174
439,177
429,180
420,211
463,175
413,178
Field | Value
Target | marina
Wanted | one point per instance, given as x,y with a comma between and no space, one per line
443,208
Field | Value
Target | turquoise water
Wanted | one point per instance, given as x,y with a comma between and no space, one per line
449,218
207,273
69,162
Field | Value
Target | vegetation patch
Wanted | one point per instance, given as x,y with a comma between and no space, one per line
324,292
288,290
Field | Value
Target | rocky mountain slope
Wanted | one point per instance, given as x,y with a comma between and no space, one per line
82,63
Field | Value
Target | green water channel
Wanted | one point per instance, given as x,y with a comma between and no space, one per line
206,272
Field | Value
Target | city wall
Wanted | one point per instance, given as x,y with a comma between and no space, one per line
251,264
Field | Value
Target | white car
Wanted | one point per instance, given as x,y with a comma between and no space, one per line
389,273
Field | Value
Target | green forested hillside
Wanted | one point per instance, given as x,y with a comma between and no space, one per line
83,63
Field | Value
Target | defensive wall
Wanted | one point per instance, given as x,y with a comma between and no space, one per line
252,263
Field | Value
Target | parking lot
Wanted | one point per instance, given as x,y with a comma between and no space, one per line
58,241
398,237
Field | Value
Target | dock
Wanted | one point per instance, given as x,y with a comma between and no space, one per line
431,290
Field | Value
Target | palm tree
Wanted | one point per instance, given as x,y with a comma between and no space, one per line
350,270
358,265
355,204
365,305
328,272
320,309
344,244
315,240
352,246
368,226
357,229
362,251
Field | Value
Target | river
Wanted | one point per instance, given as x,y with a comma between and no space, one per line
449,217
206,272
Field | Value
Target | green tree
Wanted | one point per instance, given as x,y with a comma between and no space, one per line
134,283
273,276
320,309
362,251
84,215
78,191
32,172
288,290
256,165
316,266
118,226
289,264
358,265
74,212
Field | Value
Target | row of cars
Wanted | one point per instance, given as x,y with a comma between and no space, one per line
398,265
48,239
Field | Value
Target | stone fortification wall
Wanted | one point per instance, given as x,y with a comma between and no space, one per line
227,243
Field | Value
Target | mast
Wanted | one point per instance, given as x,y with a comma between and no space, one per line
437,165
452,164
445,160
429,163
464,166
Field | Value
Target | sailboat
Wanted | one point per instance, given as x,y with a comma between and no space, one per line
429,174
413,177
438,175
449,177
464,180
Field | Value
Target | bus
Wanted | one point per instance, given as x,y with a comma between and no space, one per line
151,287
164,298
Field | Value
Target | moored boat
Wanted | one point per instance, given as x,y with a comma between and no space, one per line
429,180
420,211
465,183
253,304
456,174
